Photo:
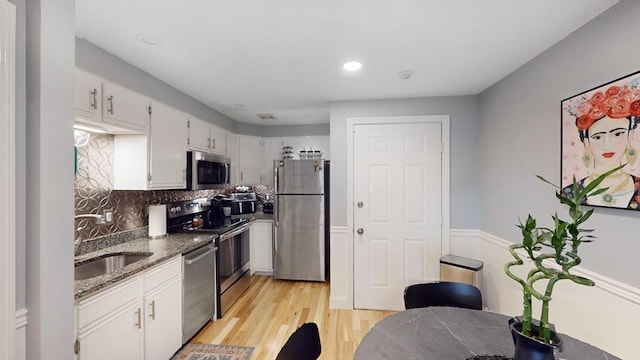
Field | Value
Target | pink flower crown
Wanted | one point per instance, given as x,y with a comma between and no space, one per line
616,102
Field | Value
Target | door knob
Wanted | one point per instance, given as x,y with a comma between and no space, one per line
360,231
360,204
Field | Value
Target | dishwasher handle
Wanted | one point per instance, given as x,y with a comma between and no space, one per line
191,261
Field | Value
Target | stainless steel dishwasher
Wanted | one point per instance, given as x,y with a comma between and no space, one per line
198,290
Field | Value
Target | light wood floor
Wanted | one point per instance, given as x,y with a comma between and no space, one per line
271,310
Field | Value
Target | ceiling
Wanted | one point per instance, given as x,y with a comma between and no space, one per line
248,57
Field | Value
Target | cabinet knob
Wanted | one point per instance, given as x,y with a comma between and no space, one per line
360,231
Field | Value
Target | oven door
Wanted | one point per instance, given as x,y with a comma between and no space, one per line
232,267
233,255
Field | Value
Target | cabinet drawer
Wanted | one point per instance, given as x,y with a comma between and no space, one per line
162,273
108,301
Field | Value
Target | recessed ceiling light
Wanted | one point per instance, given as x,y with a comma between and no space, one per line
148,39
405,74
266,116
352,66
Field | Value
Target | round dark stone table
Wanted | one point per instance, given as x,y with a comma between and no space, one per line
447,333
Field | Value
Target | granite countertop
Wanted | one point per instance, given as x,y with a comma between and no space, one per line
163,248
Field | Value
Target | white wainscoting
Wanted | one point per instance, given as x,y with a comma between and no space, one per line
606,316
341,271
21,334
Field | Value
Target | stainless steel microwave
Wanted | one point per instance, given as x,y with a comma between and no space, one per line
207,171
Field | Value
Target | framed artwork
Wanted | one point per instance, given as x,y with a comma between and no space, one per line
600,132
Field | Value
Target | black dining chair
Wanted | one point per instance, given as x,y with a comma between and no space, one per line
303,344
443,293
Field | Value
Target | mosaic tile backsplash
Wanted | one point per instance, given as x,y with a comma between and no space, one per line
94,192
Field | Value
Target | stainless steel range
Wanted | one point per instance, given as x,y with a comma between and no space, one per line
231,272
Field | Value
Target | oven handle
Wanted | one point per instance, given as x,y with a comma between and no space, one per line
229,235
191,261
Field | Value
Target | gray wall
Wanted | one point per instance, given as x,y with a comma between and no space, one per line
520,137
463,112
95,60
49,178
21,17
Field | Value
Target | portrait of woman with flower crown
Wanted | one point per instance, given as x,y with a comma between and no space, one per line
599,133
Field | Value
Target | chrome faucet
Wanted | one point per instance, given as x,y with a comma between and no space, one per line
99,220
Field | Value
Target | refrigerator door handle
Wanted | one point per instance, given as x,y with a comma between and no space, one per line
275,176
275,190
276,212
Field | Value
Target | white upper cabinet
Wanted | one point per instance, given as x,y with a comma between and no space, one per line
168,155
232,153
250,155
256,155
207,137
124,107
272,151
88,97
156,160
116,109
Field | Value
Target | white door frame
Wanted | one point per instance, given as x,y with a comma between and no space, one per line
7,181
351,123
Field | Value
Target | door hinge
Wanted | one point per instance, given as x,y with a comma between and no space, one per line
188,141
149,177
149,109
76,347
188,123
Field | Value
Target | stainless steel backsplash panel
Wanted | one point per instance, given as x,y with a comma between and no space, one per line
94,192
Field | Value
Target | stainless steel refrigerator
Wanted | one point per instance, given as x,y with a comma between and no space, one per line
299,216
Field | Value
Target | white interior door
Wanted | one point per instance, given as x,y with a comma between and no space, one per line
397,210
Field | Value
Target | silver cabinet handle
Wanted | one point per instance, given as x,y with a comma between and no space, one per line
153,310
360,231
95,98
360,204
139,317
110,107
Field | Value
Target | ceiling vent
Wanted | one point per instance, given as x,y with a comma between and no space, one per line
266,116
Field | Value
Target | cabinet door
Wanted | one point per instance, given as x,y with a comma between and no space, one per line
163,320
232,153
199,137
218,140
261,250
272,151
120,336
167,150
124,107
250,159
88,96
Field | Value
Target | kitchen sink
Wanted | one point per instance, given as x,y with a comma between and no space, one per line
102,265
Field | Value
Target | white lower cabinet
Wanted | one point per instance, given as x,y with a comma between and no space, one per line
138,318
261,248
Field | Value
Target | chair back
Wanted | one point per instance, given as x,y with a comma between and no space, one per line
443,293
303,344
